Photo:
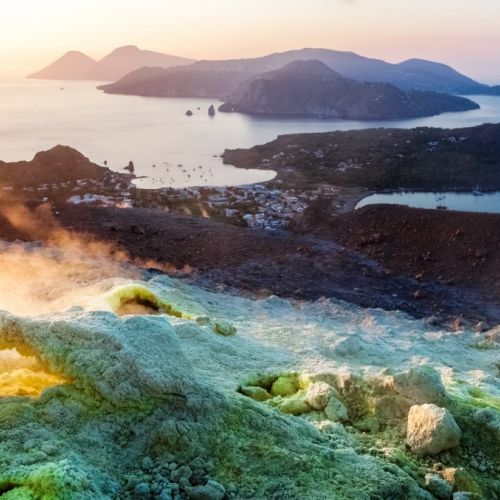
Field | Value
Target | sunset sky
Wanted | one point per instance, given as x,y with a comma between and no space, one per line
462,33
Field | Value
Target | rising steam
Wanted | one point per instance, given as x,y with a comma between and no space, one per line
58,268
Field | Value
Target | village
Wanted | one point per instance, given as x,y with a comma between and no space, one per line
257,206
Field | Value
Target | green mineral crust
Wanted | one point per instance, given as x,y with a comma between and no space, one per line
165,390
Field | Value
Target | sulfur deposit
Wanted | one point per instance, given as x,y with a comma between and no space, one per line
161,389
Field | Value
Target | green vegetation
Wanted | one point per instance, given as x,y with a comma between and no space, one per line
420,158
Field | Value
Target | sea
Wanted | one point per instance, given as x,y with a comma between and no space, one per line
168,148
474,201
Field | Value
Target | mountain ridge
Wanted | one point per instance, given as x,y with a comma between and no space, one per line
312,89
225,75
75,65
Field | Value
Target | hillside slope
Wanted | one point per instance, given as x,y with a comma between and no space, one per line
228,74
310,88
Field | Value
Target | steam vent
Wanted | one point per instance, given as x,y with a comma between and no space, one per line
249,262
160,389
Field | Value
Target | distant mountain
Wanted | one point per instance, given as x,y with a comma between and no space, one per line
220,78
122,61
179,82
312,89
71,66
142,74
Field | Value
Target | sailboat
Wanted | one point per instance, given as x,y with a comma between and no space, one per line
439,199
477,191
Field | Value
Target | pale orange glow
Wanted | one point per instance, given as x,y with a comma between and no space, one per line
24,375
458,32
45,282
72,268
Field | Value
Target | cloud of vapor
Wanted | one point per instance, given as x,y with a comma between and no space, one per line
37,280
57,269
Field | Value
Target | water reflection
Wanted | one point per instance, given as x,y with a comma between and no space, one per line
476,201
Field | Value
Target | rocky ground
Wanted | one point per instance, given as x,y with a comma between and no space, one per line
58,173
280,263
452,248
446,264
275,364
202,395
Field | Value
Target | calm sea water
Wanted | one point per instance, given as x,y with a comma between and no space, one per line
467,202
36,115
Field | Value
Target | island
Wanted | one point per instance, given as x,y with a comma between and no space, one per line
75,65
312,89
219,79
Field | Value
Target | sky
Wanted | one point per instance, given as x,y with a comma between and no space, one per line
462,33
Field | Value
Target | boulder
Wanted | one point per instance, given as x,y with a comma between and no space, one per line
489,421
181,474
458,324
336,411
223,328
305,379
348,346
462,495
431,320
494,335
438,486
142,490
391,409
461,481
210,491
431,429
421,384
318,395
294,405
482,327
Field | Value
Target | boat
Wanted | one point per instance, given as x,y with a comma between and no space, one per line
477,192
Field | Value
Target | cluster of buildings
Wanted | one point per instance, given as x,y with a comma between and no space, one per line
256,206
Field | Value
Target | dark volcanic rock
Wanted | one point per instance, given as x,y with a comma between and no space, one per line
289,265
57,165
227,107
310,88
446,246
130,167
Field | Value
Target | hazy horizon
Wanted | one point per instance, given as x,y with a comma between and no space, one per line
457,33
